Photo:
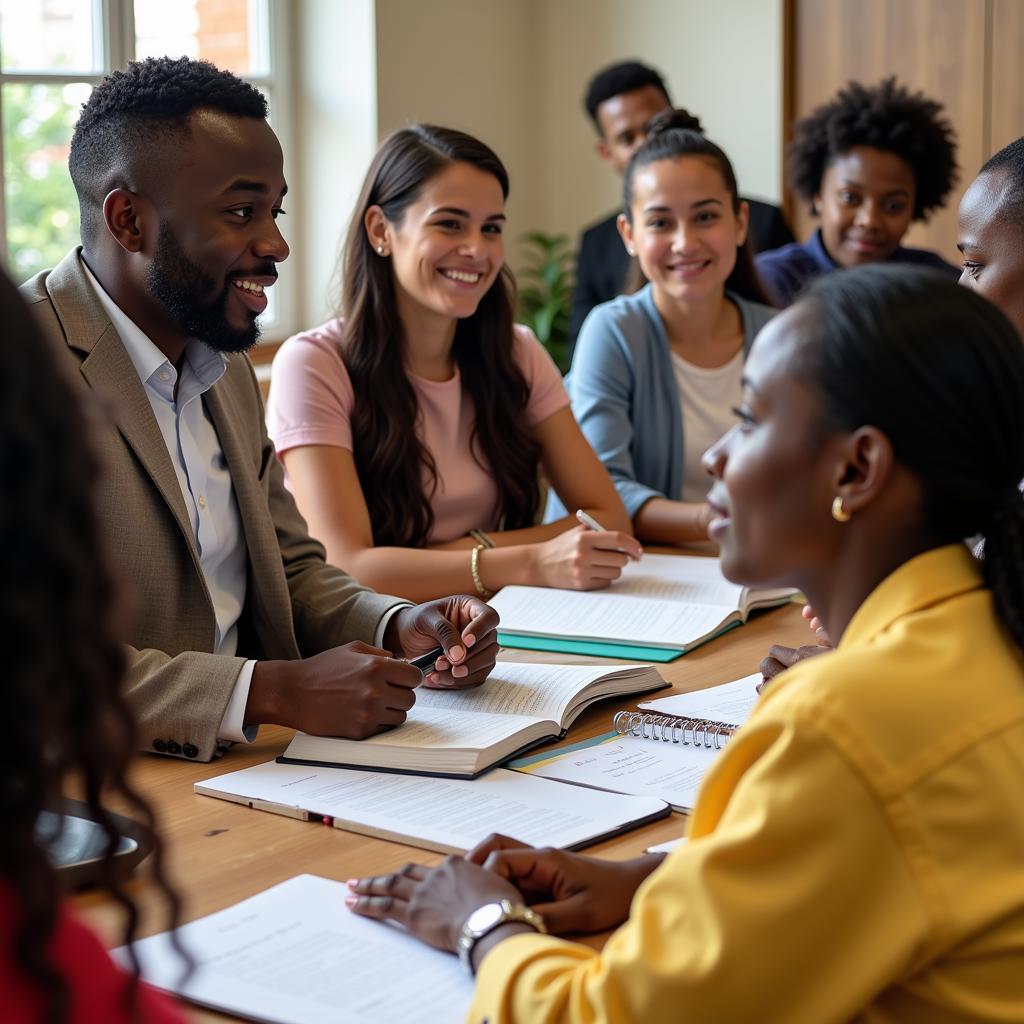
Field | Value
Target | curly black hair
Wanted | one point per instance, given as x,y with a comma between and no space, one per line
628,76
63,660
888,117
1010,161
130,112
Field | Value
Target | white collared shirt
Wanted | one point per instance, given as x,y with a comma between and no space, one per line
205,482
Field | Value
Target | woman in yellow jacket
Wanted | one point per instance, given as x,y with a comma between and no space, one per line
857,853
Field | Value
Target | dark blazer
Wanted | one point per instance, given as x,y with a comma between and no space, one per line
296,605
603,263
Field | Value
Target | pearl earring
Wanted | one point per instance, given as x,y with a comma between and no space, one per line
380,250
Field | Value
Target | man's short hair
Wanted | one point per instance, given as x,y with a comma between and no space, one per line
131,112
1010,161
617,79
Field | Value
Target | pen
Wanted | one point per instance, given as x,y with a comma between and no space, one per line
592,524
589,521
425,662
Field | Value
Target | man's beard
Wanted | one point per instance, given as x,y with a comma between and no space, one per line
180,287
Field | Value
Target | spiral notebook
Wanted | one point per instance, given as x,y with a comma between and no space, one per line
703,717
626,761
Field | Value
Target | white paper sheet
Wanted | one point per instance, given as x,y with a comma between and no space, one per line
450,815
626,764
295,954
729,702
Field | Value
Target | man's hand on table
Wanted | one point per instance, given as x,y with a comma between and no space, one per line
357,690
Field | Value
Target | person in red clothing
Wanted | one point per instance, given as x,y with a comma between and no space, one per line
60,610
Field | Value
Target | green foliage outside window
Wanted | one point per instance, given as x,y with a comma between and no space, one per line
41,206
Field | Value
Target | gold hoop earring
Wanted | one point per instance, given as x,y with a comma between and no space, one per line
839,514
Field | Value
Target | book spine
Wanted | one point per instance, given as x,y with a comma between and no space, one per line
672,729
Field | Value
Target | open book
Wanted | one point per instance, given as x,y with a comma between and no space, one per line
662,601
446,815
464,732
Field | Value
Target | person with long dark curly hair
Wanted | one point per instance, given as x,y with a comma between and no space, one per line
870,162
180,182
656,374
855,852
61,620
412,426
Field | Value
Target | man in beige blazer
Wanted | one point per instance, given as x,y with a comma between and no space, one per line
237,620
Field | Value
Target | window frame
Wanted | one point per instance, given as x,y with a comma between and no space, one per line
114,47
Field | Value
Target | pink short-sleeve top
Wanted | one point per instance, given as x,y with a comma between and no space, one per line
311,403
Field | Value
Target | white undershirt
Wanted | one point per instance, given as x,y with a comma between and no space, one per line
706,398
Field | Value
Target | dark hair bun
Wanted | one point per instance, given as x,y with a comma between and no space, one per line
670,120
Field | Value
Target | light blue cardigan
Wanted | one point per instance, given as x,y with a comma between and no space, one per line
625,399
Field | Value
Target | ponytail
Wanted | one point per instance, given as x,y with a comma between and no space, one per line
940,371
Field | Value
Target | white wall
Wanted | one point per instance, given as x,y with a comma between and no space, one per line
466,64
513,72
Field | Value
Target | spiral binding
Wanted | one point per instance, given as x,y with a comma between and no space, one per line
672,729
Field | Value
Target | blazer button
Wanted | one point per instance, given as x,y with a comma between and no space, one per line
173,747
190,750
159,746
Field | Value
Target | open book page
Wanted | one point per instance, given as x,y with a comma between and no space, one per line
605,615
679,578
515,688
626,764
730,703
295,954
433,727
449,815
514,696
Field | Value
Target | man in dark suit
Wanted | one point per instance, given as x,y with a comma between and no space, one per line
620,101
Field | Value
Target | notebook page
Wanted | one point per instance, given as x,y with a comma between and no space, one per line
729,702
445,814
295,954
626,764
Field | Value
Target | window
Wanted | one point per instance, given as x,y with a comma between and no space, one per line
52,52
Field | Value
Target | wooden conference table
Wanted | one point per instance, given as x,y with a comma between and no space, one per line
220,853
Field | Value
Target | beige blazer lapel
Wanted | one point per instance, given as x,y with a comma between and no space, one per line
111,373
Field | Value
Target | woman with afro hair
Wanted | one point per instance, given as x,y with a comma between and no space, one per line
870,162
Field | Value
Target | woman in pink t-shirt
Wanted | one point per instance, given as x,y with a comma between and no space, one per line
413,427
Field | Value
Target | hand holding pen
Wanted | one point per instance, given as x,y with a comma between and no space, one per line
585,558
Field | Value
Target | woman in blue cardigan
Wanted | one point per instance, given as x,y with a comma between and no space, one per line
656,375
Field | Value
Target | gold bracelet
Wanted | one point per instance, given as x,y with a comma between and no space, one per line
474,568
481,538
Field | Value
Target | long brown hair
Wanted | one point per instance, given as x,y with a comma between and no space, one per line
677,133
388,453
64,661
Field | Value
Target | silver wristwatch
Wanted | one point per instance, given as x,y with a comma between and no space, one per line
485,919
